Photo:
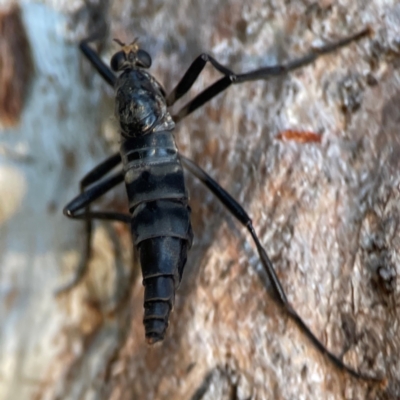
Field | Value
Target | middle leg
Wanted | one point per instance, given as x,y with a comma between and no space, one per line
82,202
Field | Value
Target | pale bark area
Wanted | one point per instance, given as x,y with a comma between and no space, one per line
327,213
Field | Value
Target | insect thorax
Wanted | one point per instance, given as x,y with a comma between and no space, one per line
140,105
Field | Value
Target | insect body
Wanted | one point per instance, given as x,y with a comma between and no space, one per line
158,200
153,174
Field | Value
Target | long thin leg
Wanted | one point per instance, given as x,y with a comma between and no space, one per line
105,216
82,202
90,195
231,78
83,264
279,294
97,62
100,170
192,74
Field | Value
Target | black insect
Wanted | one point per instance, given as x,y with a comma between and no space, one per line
153,174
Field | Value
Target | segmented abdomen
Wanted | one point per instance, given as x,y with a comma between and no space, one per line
161,228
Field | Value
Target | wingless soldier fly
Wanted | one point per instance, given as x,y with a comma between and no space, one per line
154,179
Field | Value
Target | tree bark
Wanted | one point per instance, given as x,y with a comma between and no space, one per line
327,210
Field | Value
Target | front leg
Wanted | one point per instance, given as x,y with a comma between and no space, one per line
230,77
97,62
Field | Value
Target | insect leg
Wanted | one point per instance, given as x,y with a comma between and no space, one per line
105,216
97,62
83,201
202,98
232,78
100,170
279,294
192,74
90,195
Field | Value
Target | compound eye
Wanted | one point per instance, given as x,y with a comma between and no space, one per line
117,61
143,59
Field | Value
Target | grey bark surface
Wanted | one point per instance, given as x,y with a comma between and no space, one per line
327,213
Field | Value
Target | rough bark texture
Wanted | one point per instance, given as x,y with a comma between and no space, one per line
328,213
